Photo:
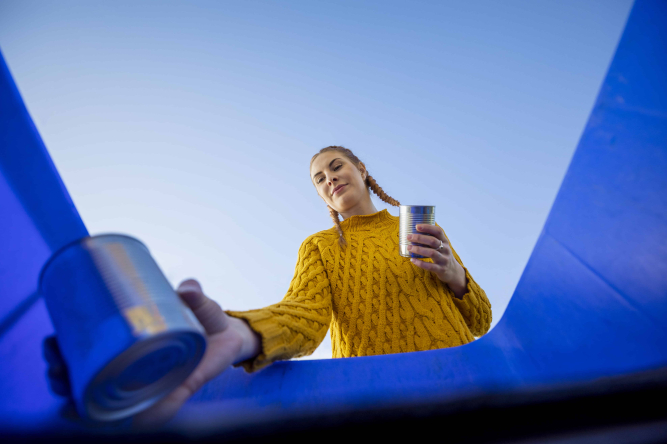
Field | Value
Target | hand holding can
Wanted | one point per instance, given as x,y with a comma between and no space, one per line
430,242
125,336
409,217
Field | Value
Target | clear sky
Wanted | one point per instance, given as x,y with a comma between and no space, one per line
190,125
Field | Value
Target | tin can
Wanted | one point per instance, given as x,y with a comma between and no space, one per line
409,217
126,336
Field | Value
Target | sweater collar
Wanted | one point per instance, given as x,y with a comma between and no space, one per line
365,222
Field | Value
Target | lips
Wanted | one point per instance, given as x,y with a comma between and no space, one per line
338,188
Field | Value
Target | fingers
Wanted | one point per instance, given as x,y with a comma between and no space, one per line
57,373
440,257
433,230
51,350
58,378
424,239
434,238
190,285
422,251
428,266
207,311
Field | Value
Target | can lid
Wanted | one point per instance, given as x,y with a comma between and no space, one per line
417,209
142,375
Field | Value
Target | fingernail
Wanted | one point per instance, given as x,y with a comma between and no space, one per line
410,237
410,247
187,287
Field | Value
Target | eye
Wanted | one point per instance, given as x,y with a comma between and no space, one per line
319,180
337,167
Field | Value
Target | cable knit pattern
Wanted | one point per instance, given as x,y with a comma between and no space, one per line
374,300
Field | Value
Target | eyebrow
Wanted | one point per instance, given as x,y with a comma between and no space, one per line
320,172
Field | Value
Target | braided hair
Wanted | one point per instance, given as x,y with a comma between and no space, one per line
370,183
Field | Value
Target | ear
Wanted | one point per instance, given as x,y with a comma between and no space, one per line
362,170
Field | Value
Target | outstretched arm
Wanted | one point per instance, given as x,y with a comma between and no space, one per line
296,325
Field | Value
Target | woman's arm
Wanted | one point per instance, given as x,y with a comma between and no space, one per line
251,342
293,327
470,299
296,325
474,305
458,282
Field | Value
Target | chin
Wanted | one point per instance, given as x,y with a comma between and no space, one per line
344,204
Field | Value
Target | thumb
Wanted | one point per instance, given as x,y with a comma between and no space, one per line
207,311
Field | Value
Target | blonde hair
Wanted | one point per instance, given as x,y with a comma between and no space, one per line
370,183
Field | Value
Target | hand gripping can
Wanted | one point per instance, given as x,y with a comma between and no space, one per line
409,217
126,336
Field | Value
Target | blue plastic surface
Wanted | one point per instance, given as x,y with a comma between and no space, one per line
590,303
37,217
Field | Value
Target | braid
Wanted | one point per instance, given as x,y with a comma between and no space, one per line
370,182
377,189
334,216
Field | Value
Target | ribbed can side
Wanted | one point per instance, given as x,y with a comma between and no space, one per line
409,217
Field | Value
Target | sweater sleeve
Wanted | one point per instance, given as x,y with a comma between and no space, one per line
474,305
296,325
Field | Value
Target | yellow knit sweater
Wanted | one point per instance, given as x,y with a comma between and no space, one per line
374,300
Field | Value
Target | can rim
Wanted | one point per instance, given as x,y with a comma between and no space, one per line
59,251
94,410
420,209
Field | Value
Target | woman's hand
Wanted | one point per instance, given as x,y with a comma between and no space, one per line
229,340
444,266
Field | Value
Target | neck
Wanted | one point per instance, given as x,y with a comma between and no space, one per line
364,207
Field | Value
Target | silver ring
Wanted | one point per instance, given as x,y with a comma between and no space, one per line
442,245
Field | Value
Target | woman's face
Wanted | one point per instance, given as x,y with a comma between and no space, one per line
341,184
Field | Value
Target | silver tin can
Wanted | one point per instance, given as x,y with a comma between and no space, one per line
409,217
126,336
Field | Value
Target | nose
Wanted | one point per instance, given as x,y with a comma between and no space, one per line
332,180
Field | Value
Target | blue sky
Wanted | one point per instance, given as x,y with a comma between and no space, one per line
190,125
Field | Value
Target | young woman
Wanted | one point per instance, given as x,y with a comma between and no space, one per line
349,278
